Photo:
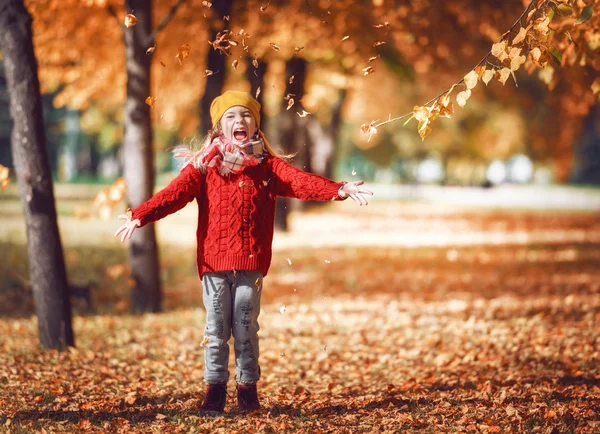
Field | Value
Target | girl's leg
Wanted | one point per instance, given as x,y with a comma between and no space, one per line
216,294
246,292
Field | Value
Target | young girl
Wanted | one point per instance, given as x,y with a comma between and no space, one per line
235,179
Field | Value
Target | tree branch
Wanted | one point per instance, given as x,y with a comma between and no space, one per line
164,22
485,59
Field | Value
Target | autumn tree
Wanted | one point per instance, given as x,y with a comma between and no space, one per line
28,142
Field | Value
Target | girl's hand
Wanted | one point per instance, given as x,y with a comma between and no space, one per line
128,227
353,190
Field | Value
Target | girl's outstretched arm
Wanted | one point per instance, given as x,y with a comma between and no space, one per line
171,199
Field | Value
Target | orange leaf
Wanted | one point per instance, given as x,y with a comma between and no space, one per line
4,177
183,52
151,100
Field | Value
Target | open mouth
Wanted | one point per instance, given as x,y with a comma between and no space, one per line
240,135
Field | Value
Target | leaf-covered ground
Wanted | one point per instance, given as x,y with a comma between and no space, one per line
445,321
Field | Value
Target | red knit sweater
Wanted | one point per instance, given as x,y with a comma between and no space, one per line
236,213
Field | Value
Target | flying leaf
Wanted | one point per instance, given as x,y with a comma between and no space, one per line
183,52
257,92
289,261
368,70
487,76
585,15
345,38
235,63
163,64
290,103
130,20
291,80
303,114
151,100
265,6
471,80
463,96
378,43
255,62
503,75
298,49
372,58
4,178
275,46
150,50
208,72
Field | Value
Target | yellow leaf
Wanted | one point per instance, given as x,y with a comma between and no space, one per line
520,36
499,50
514,52
4,178
517,62
487,76
420,113
183,53
503,75
151,100
462,97
424,130
471,80
130,20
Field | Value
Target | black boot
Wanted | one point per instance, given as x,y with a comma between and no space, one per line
247,397
215,399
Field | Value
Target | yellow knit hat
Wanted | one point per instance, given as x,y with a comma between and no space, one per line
230,99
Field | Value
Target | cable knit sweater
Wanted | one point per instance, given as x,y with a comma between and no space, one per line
236,212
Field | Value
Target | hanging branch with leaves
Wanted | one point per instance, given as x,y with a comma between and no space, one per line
533,40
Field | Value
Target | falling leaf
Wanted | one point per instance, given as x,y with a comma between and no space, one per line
275,46
208,72
290,103
226,18
471,80
462,97
372,58
345,38
183,53
291,80
327,261
368,70
255,62
353,172
163,64
289,261
4,177
150,50
282,309
257,283
204,341
206,3
257,92
487,76
303,114
265,6
596,86
235,63
378,43
298,49
130,20
151,100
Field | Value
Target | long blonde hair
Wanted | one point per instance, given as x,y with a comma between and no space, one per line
191,153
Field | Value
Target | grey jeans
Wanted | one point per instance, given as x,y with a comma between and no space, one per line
232,303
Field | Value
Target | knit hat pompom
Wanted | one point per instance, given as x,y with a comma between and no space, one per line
233,98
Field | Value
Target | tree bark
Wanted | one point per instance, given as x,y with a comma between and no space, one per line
46,262
292,131
216,62
138,160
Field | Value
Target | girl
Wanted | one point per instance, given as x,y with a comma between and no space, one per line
235,179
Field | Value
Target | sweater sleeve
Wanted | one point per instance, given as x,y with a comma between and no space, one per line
172,198
293,182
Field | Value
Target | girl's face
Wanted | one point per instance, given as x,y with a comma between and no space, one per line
238,124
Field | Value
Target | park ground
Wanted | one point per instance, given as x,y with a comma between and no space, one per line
402,316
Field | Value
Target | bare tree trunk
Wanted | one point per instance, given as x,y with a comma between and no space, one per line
138,160
216,62
292,131
46,262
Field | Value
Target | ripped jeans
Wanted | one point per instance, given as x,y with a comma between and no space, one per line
232,303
